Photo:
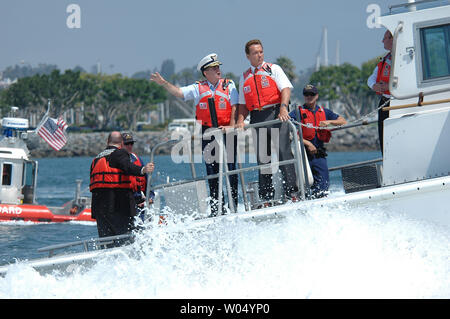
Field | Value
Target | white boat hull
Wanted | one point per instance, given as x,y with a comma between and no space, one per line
421,200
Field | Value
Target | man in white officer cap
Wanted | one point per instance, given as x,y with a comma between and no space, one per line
226,99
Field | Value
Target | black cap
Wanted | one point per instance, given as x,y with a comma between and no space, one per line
127,138
310,89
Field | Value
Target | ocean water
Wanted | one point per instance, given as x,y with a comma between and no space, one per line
324,253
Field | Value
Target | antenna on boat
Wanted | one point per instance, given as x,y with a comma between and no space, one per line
14,110
338,48
325,45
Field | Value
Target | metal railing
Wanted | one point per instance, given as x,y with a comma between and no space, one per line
299,165
413,5
102,242
298,154
340,167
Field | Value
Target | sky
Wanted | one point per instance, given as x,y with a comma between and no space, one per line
137,35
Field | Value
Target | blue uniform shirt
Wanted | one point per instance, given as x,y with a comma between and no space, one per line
329,115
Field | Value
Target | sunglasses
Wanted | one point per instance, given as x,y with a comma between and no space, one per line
130,143
309,94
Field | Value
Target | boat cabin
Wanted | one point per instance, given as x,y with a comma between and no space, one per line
417,143
19,173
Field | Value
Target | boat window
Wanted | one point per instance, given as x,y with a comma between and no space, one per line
435,51
6,174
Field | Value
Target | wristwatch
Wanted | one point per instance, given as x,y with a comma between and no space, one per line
284,104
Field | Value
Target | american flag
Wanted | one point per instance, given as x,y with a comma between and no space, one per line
53,132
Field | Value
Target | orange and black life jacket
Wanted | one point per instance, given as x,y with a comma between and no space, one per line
260,89
221,100
384,72
138,183
311,120
105,176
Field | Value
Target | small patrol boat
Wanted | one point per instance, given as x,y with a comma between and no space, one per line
19,181
412,179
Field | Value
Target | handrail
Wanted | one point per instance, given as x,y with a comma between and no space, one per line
302,154
233,172
336,168
296,161
298,158
344,127
97,241
152,155
393,78
404,106
409,4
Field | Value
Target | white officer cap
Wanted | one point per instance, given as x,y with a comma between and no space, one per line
207,61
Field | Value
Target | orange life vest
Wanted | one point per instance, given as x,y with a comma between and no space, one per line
384,71
260,89
312,120
138,183
105,176
221,100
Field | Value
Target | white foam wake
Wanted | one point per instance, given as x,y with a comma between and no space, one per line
326,253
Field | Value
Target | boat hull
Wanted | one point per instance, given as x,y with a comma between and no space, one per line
422,201
40,214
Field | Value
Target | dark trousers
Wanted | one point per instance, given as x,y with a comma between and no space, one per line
266,189
213,168
114,211
319,169
382,115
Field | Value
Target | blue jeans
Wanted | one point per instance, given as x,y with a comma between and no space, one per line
319,169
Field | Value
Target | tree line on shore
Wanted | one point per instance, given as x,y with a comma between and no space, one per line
107,101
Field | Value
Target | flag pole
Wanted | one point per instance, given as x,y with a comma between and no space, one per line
44,117
48,107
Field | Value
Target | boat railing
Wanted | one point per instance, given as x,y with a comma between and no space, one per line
414,5
419,103
344,127
299,165
87,245
358,164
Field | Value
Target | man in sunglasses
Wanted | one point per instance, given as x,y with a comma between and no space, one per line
139,183
314,116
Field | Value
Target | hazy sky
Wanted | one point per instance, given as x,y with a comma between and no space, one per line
136,35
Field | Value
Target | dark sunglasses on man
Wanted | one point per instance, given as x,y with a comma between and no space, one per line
309,94
129,143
